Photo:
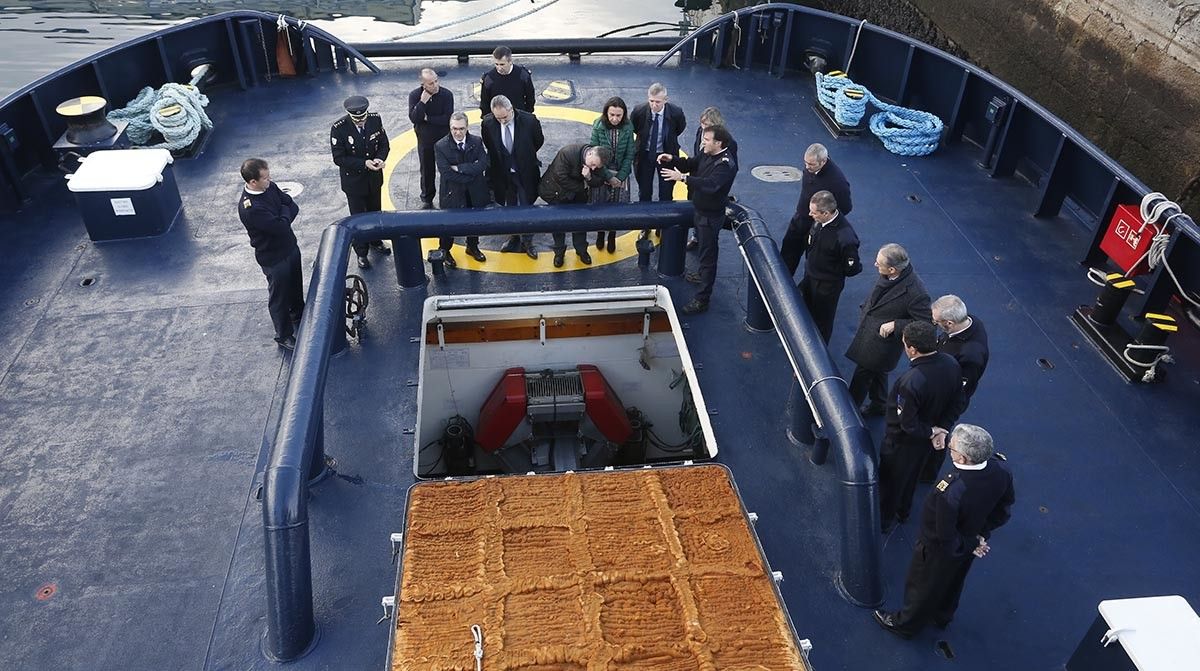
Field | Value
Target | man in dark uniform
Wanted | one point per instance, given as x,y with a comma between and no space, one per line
268,213
820,174
710,176
513,138
923,405
957,520
360,148
965,339
832,249
462,162
512,81
657,125
576,168
897,298
429,109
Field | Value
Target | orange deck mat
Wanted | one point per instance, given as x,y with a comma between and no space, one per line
641,569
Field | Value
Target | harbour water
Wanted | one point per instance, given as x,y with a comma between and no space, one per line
40,37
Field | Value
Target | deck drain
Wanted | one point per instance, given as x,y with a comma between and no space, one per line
46,591
776,173
944,649
1045,364
1043,509
87,281
913,198
292,189
30,302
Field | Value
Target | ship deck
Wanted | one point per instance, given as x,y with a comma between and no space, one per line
138,380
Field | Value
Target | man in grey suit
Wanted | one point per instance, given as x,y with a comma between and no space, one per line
898,297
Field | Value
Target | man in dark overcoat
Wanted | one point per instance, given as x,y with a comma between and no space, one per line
429,110
958,518
360,148
657,124
576,168
513,138
964,338
922,407
462,163
897,298
820,174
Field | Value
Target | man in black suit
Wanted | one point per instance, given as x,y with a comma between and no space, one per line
832,249
820,174
965,339
921,409
957,521
513,138
360,148
268,213
462,163
575,170
657,125
898,297
429,110
709,178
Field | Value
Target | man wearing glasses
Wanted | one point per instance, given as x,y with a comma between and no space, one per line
462,162
957,520
964,338
820,174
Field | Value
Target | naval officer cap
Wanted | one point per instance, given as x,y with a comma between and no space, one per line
356,105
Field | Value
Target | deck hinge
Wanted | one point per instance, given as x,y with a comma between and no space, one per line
646,325
753,517
441,331
389,605
542,330
777,576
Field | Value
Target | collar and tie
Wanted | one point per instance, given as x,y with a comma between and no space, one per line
508,137
654,134
462,146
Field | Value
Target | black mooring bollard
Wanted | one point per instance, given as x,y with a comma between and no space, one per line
1117,289
437,262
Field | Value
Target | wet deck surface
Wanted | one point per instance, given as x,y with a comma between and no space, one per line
134,409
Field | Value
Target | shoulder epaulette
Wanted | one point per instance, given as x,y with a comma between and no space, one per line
339,122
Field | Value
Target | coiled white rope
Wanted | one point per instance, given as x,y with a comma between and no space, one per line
1154,206
179,130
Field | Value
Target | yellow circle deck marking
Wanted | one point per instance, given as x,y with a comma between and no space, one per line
81,105
516,262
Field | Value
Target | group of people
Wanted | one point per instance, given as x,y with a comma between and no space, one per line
947,349
898,317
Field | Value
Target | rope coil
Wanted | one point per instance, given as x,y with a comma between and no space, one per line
902,130
179,129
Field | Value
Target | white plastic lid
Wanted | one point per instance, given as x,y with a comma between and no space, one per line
120,170
1159,633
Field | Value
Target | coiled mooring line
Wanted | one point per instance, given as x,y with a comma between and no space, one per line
902,130
175,110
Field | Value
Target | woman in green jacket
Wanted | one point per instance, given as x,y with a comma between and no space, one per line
614,130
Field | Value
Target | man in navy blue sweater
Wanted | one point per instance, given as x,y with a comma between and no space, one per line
268,213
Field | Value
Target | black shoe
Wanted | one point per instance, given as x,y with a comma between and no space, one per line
364,262
530,251
558,259
693,244
600,241
888,622
474,253
695,307
513,245
426,204
873,409
692,277
288,343
448,260
612,242
381,248
584,257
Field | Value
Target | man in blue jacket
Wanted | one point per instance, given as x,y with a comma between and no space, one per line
268,213
462,163
429,110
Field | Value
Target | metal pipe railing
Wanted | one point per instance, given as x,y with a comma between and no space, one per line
291,628
828,398
605,45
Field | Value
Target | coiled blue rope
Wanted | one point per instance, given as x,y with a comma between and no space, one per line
178,130
903,131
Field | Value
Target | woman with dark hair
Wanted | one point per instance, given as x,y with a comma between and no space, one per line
614,130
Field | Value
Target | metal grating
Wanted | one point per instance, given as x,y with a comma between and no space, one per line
553,387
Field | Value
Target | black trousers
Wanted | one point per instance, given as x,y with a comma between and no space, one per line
371,201
445,243
285,293
578,240
933,587
792,249
933,465
646,171
865,382
428,163
513,195
821,298
708,231
900,460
